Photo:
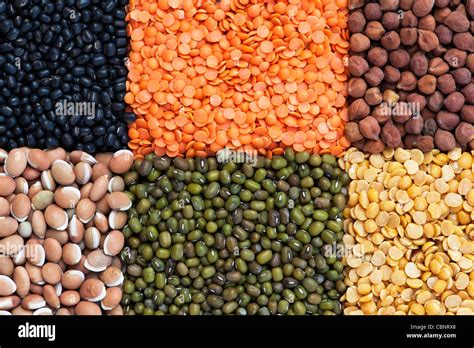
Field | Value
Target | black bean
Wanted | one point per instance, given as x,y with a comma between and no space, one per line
47,56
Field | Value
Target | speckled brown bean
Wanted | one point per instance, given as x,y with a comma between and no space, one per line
112,276
352,132
377,56
427,40
4,207
373,12
457,22
56,217
408,36
51,273
391,20
356,87
399,58
462,76
374,30
374,76
356,22
444,140
407,82
358,109
67,197
447,120
427,84
427,23
409,20
116,184
33,302
414,125
389,5
391,74
419,64
468,92
464,133
425,143
454,102
464,41
445,35
390,135
422,7
374,146
467,113
358,66
101,222
435,101
369,128
359,42
455,58
85,210
117,219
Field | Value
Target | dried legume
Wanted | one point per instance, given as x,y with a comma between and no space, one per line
205,237
59,237
204,76
411,65
409,233
63,75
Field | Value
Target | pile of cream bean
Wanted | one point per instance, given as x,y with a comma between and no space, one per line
60,220
409,233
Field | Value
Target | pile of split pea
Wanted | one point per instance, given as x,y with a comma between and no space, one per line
236,157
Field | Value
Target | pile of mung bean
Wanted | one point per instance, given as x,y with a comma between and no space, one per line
409,233
205,237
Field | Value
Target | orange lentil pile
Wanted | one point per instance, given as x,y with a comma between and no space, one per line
241,74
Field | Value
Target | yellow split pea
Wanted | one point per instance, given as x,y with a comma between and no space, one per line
409,227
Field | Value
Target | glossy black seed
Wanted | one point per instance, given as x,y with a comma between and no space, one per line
62,74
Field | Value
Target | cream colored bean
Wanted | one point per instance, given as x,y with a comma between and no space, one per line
93,290
112,298
53,206
121,161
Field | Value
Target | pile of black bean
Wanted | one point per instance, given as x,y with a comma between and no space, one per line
258,238
63,74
